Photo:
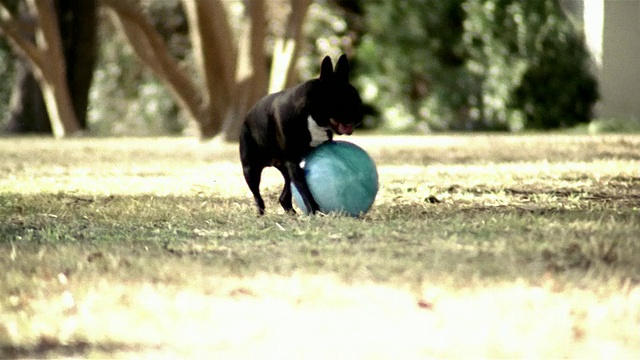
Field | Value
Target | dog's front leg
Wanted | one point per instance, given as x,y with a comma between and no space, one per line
296,173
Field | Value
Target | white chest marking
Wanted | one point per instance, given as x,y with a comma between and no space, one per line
318,133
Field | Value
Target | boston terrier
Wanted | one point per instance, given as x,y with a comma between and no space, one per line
283,127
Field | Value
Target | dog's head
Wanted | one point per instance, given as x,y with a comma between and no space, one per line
342,105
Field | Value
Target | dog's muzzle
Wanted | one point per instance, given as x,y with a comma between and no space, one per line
340,128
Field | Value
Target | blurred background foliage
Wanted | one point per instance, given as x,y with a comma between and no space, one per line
126,99
475,65
7,69
6,77
421,66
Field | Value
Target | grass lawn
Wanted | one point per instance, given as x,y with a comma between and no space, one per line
486,246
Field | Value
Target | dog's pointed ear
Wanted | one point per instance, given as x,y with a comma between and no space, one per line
342,68
326,68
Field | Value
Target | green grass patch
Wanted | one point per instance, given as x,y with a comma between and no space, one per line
477,246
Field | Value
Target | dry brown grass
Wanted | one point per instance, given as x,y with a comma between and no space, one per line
477,247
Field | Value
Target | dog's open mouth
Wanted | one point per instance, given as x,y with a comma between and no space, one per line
340,128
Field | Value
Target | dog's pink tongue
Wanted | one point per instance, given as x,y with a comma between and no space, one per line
345,129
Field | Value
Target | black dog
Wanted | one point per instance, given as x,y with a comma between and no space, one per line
283,127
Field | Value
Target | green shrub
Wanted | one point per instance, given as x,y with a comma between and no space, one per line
476,64
550,80
6,77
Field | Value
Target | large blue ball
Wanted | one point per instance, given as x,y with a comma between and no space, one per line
342,178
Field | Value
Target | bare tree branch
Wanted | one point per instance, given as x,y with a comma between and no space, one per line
54,71
260,80
153,52
48,38
252,81
221,104
215,52
21,44
50,73
287,48
299,9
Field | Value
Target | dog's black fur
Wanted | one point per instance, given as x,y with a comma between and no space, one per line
279,130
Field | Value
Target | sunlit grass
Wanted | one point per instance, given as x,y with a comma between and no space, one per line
477,246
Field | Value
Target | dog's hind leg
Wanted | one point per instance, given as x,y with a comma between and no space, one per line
285,195
252,175
252,165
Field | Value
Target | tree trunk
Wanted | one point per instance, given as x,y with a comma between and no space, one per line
78,30
153,52
259,80
53,70
254,84
287,48
233,76
285,53
294,34
46,57
215,53
27,110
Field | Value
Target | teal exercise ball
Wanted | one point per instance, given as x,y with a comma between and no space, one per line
342,178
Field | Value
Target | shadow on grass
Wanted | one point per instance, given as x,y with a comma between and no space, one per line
49,347
503,233
51,218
